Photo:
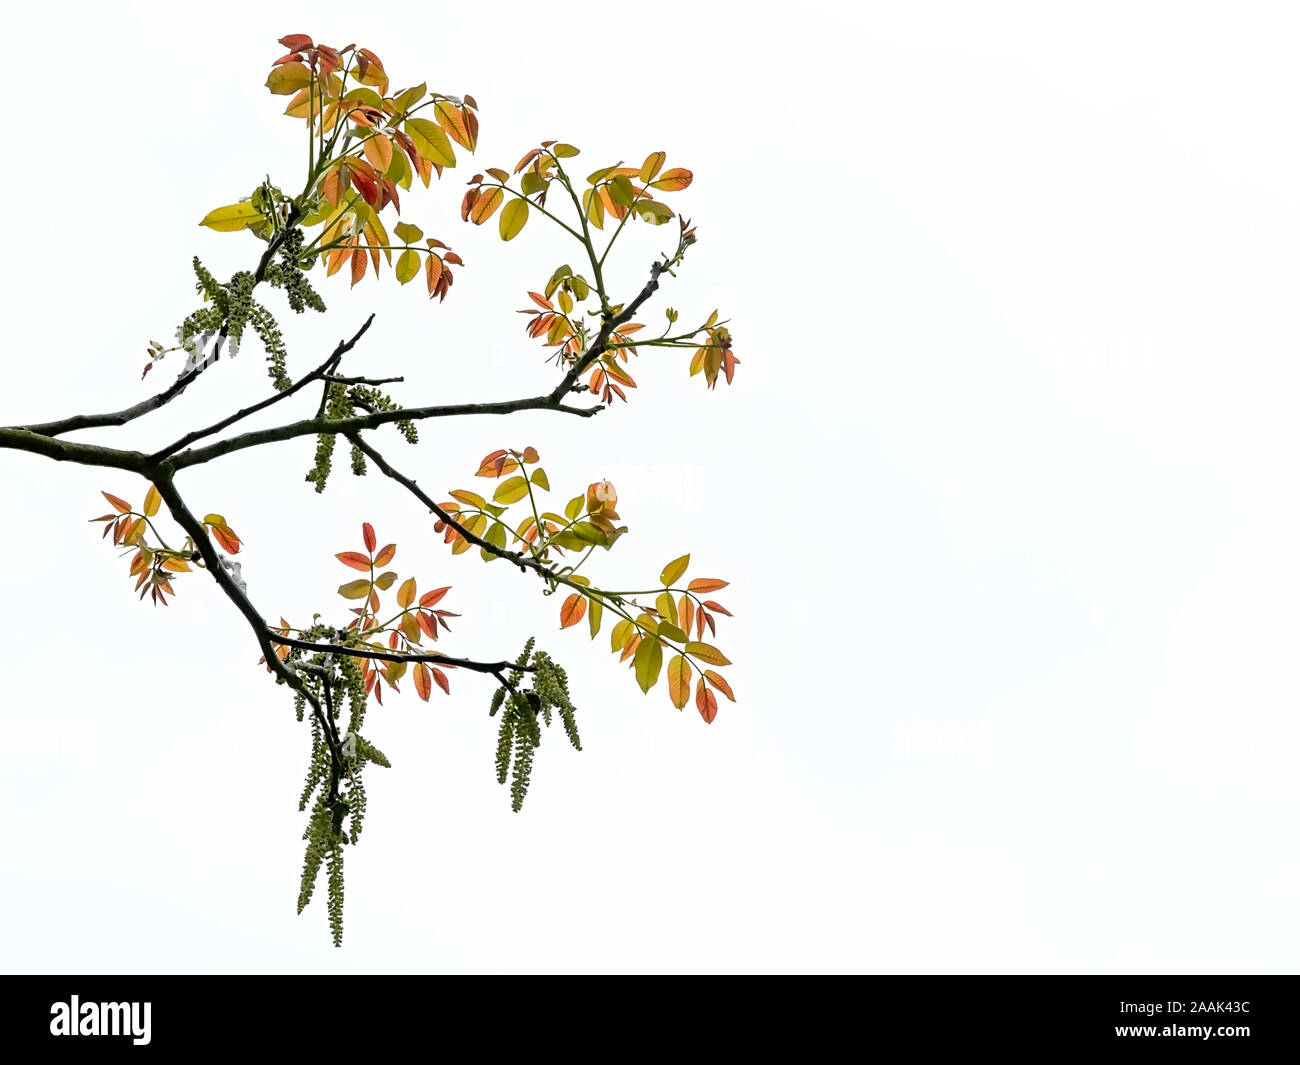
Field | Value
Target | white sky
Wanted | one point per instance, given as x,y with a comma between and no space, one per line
1005,490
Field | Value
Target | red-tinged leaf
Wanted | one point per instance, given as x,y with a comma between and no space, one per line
531,455
673,180
467,204
120,505
423,681
573,610
706,702
486,204
374,604
441,679
452,257
542,301
433,273
368,536
226,538
428,599
428,623
296,42
355,559
359,263
386,554
679,681
718,607
528,158
707,584
406,593
717,680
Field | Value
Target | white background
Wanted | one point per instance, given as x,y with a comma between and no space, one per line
1005,489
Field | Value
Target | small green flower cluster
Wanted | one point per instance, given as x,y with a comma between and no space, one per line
288,274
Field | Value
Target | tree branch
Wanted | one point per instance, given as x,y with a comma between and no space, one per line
348,426
394,656
321,372
607,329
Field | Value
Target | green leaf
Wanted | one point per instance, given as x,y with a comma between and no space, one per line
513,216
511,490
653,211
408,265
674,570
588,533
667,606
574,507
407,233
496,536
385,580
430,141
647,662
669,631
593,617
358,589
235,216
563,151
539,479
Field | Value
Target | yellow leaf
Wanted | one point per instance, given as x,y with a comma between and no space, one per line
233,217
674,570
513,217
152,501
679,681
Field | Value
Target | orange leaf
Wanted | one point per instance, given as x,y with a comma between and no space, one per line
430,598
423,682
706,584
441,679
716,679
385,555
120,505
226,538
573,610
368,535
355,559
706,702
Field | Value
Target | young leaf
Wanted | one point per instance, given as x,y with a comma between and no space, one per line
152,501
674,570
406,593
717,680
706,702
706,584
358,589
572,610
707,653
513,217
423,681
511,490
355,559
647,663
679,681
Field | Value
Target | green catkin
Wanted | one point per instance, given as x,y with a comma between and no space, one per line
317,837
334,858
336,406
268,332
520,732
338,810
